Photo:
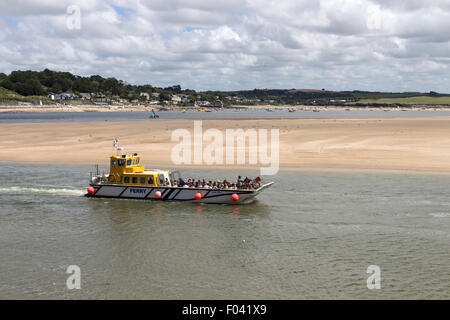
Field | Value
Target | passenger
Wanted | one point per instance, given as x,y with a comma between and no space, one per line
257,182
239,182
166,182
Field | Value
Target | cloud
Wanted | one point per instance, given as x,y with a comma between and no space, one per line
236,44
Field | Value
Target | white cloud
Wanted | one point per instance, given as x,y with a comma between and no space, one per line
237,44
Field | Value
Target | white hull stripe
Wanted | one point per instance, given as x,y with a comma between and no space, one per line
173,193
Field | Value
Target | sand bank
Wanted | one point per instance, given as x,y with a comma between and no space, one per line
388,144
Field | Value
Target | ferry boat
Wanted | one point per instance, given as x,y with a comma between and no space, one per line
128,179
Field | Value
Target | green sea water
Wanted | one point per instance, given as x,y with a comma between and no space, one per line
312,235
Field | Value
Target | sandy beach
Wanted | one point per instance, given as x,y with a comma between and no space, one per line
389,144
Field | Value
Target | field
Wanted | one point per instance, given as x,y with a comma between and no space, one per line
8,97
408,100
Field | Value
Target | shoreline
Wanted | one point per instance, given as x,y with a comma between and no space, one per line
158,108
243,168
414,144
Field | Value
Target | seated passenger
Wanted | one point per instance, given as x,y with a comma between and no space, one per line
239,182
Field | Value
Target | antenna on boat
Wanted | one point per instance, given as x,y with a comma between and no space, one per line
116,145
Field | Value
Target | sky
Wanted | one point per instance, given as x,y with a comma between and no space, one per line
375,45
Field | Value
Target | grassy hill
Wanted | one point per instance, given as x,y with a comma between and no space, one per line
5,93
8,97
409,100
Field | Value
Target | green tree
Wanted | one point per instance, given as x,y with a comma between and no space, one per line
31,87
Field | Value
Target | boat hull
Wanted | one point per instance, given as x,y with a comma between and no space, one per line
174,193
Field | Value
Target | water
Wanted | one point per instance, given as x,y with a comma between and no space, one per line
311,236
26,117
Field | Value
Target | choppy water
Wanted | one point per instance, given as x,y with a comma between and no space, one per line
24,117
312,235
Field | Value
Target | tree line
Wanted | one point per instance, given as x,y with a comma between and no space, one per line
36,83
39,83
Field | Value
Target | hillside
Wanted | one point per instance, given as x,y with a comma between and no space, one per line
33,86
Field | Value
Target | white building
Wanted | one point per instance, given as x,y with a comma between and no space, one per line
145,94
176,98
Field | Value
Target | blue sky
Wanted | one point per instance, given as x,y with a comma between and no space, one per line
11,21
376,45
123,11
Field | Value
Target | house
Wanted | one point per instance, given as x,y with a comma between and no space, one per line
101,101
63,96
202,103
218,104
184,97
85,96
176,98
155,94
145,94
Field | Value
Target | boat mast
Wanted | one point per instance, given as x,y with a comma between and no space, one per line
116,146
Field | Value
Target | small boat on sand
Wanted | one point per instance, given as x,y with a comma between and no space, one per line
128,179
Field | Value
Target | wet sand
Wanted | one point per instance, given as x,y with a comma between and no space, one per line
420,144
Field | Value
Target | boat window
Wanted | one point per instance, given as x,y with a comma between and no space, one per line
150,180
138,159
128,162
161,179
134,179
142,180
113,162
126,179
121,163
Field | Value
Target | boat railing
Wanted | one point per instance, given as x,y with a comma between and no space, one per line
97,178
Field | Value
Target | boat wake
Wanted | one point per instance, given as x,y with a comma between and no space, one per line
54,191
